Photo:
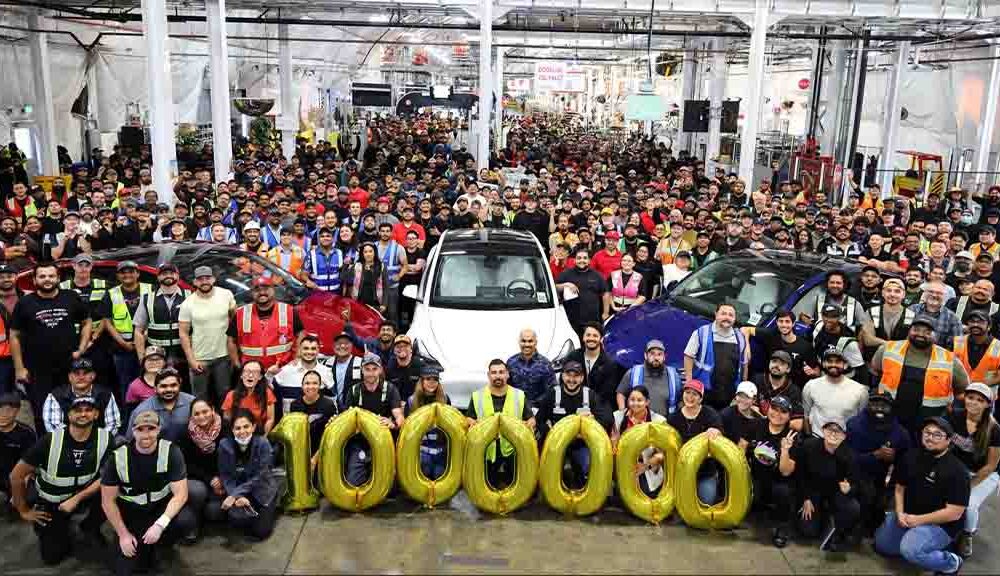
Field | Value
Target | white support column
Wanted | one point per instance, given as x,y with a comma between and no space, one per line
689,88
48,162
831,97
755,74
989,121
498,86
222,138
717,91
485,84
161,102
890,126
288,122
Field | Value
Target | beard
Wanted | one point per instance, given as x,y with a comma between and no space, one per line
920,343
833,371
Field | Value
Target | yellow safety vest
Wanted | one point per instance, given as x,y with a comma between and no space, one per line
120,314
162,460
55,488
513,404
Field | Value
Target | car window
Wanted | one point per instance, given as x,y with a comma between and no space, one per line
490,281
236,270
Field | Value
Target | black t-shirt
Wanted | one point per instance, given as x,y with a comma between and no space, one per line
764,446
319,413
819,472
13,446
142,471
932,483
591,286
77,459
404,378
688,428
47,328
964,445
297,326
766,392
735,425
802,352
411,258
463,221
381,401
536,222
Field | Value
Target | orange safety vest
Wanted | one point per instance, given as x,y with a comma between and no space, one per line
269,342
261,250
990,362
4,339
295,259
937,378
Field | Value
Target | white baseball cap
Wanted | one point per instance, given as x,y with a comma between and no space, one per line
251,225
747,388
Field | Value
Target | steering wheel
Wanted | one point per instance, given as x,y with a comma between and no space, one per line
520,288
766,309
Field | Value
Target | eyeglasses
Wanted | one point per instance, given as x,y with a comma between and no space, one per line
935,435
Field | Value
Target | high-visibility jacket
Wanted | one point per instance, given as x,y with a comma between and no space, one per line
288,261
21,210
271,343
55,488
160,487
990,362
937,377
162,320
389,255
324,269
625,294
963,303
513,405
849,306
98,288
5,335
121,317
993,250
901,329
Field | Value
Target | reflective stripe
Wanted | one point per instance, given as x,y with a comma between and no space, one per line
326,277
48,477
246,313
162,463
121,317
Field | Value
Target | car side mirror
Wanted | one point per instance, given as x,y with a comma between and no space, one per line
671,286
412,292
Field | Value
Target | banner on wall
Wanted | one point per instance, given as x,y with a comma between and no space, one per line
560,77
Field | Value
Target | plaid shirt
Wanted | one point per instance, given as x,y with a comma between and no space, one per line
946,324
53,418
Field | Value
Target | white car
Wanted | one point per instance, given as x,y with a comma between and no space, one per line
479,289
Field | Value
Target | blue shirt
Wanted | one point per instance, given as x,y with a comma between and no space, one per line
534,376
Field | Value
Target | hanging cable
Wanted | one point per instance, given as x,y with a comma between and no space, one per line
649,42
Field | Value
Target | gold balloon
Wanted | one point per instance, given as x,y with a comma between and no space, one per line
335,487
293,433
591,497
477,440
739,493
630,446
452,423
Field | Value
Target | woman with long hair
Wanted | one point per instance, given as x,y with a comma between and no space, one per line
200,449
976,442
434,445
347,243
252,394
804,241
650,470
365,280
251,494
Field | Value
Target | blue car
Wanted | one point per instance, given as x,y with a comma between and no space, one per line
758,283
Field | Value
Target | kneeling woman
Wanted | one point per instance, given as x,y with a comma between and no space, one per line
434,445
200,449
976,442
650,470
691,420
245,470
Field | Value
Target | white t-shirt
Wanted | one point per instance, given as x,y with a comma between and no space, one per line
290,379
823,401
209,318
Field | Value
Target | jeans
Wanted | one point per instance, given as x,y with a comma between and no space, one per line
977,496
359,461
126,370
708,490
213,383
924,546
55,538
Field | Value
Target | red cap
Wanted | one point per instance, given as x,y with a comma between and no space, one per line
382,199
262,281
695,385
612,235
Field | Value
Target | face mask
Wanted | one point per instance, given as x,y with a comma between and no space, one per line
966,219
244,442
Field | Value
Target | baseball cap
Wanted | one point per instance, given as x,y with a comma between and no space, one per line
80,400
402,339
941,423
371,358
263,282
981,388
965,254
695,385
977,315
879,396
83,259
341,335
838,422
154,351
783,356
831,310
126,265
612,235
251,225
923,319
747,388
573,366
7,269
781,403
654,344
82,364
202,271
430,370
10,399
146,418
166,267
832,351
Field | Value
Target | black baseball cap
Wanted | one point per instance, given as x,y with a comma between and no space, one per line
941,423
573,366
781,403
82,364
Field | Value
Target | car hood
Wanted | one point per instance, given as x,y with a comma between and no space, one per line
626,335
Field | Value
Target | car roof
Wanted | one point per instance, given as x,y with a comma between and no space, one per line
172,247
476,239
817,262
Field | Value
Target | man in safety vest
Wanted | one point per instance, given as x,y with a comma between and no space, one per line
836,293
496,397
92,291
832,332
394,263
662,381
979,352
287,255
921,376
55,411
718,355
323,263
9,295
252,241
382,399
118,310
264,330
66,464
143,493
981,298
157,320
890,320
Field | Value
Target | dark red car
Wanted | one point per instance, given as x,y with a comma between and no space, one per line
234,269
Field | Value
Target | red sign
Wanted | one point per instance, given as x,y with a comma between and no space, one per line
804,84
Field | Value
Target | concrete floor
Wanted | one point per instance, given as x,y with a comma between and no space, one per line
400,537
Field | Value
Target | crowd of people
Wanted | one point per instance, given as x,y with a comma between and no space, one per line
150,404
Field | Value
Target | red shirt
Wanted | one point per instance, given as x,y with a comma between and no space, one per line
250,404
399,231
604,263
648,224
361,195
557,269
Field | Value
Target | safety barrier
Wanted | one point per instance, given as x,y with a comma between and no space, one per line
467,466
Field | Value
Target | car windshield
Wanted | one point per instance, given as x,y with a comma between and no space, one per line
235,270
490,281
756,287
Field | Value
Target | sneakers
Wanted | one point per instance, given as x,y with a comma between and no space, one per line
963,544
779,538
957,569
